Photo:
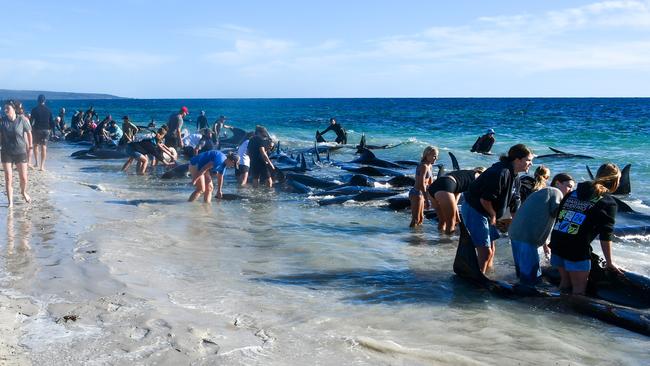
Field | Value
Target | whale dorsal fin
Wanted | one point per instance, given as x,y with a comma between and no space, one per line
556,150
454,161
591,175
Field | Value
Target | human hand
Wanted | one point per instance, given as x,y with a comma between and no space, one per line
612,267
219,194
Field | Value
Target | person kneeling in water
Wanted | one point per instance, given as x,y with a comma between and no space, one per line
202,167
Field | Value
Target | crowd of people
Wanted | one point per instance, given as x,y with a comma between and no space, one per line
561,219
558,219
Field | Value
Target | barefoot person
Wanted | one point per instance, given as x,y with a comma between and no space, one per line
43,125
203,166
445,193
16,140
423,178
489,196
531,227
587,212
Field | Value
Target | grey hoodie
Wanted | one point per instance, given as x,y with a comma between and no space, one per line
535,218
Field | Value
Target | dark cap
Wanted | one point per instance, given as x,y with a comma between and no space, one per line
126,118
41,98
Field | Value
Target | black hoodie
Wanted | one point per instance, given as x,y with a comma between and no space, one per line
582,217
498,184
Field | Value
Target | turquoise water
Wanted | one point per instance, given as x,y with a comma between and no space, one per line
336,284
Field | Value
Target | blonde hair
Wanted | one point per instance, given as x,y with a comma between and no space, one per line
607,179
428,150
542,173
479,169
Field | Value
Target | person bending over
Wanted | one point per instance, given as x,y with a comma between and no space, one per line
203,166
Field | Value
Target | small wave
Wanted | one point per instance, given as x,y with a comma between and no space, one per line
391,348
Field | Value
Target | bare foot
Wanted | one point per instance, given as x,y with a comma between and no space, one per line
27,198
41,169
10,205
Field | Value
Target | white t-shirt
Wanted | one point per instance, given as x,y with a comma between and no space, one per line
244,159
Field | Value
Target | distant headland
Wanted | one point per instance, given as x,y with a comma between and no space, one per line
33,94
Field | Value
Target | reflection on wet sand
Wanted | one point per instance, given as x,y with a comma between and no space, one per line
19,252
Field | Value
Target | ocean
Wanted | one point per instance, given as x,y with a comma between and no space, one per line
277,279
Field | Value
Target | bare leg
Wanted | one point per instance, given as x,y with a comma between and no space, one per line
22,174
446,201
35,151
490,262
579,281
8,183
43,156
199,185
565,279
127,164
142,165
417,206
243,178
209,187
484,256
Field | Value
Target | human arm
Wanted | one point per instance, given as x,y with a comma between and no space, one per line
265,157
219,193
487,206
607,219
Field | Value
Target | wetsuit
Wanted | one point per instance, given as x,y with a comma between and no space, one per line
483,144
341,135
201,122
455,182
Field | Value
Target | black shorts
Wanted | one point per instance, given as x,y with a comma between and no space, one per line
241,170
172,141
13,158
41,137
445,184
259,171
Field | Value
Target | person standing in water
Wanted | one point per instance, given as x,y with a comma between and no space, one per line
489,196
203,166
587,212
445,192
174,125
423,178
484,143
16,141
531,227
341,134
261,166
43,125
202,121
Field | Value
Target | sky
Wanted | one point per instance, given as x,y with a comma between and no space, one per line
310,49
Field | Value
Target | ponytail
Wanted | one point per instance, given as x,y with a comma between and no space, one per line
607,179
516,152
542,173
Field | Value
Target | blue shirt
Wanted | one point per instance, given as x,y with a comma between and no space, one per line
216,157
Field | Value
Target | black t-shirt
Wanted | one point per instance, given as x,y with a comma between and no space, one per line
253,151
463,179
497,185
527,183
580,219
147,147
42,118
201,122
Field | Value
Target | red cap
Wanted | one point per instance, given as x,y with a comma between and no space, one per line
185,110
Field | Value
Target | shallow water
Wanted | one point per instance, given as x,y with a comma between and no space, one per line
342,284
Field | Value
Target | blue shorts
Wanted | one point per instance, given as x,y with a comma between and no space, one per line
130,152
571,266
482,233
526,258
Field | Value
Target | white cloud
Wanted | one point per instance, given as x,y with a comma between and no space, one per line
121,59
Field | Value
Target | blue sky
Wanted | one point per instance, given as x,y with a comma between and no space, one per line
214,49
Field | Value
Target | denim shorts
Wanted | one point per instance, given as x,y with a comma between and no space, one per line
570,266
526,258
482,233
132,153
